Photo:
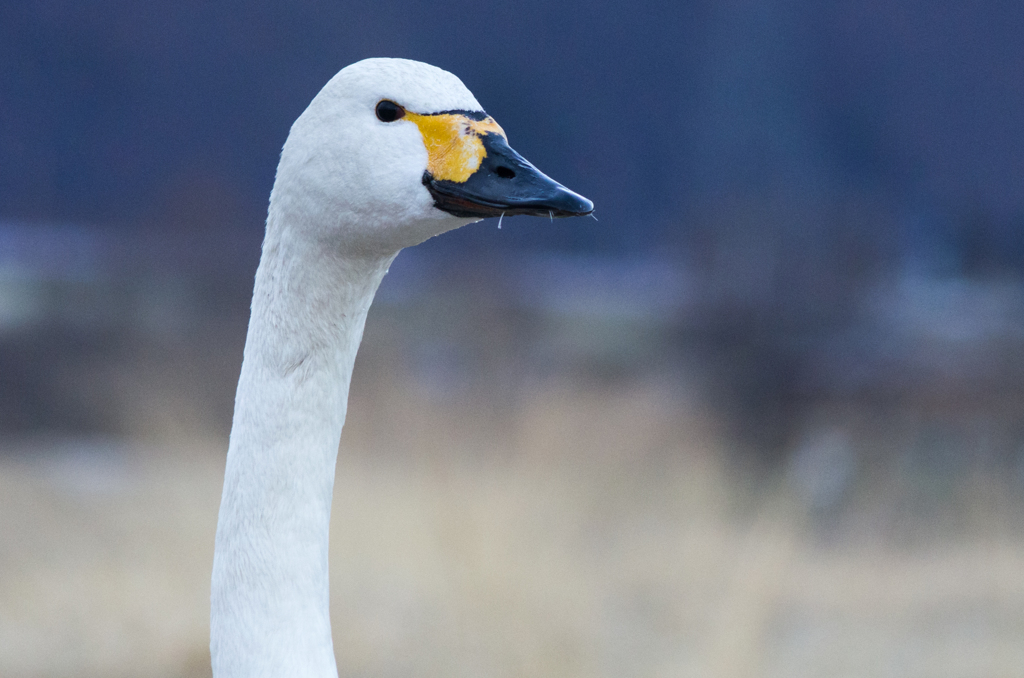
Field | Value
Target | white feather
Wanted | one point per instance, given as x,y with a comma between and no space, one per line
347,197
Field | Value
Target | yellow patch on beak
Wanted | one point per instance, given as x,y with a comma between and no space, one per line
454,146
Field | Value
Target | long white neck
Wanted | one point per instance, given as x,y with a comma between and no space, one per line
270,604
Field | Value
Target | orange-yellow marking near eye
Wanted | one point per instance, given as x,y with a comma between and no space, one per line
454,146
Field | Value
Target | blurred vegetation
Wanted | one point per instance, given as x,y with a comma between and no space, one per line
545,471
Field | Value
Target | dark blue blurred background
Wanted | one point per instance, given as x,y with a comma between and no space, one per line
119,112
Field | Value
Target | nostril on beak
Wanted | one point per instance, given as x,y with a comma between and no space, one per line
504,172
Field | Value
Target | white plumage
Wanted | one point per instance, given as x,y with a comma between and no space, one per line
350,192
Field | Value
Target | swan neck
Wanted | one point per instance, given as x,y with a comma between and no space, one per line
270,611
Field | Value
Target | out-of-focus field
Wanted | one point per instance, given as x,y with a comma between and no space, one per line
508,525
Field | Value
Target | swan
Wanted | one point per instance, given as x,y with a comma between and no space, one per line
389,153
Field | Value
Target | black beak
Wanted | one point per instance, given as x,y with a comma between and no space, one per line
505,184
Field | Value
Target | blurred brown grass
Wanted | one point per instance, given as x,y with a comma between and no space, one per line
558,527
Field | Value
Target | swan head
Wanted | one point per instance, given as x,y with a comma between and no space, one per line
392,152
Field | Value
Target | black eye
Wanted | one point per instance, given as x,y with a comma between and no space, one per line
389,111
